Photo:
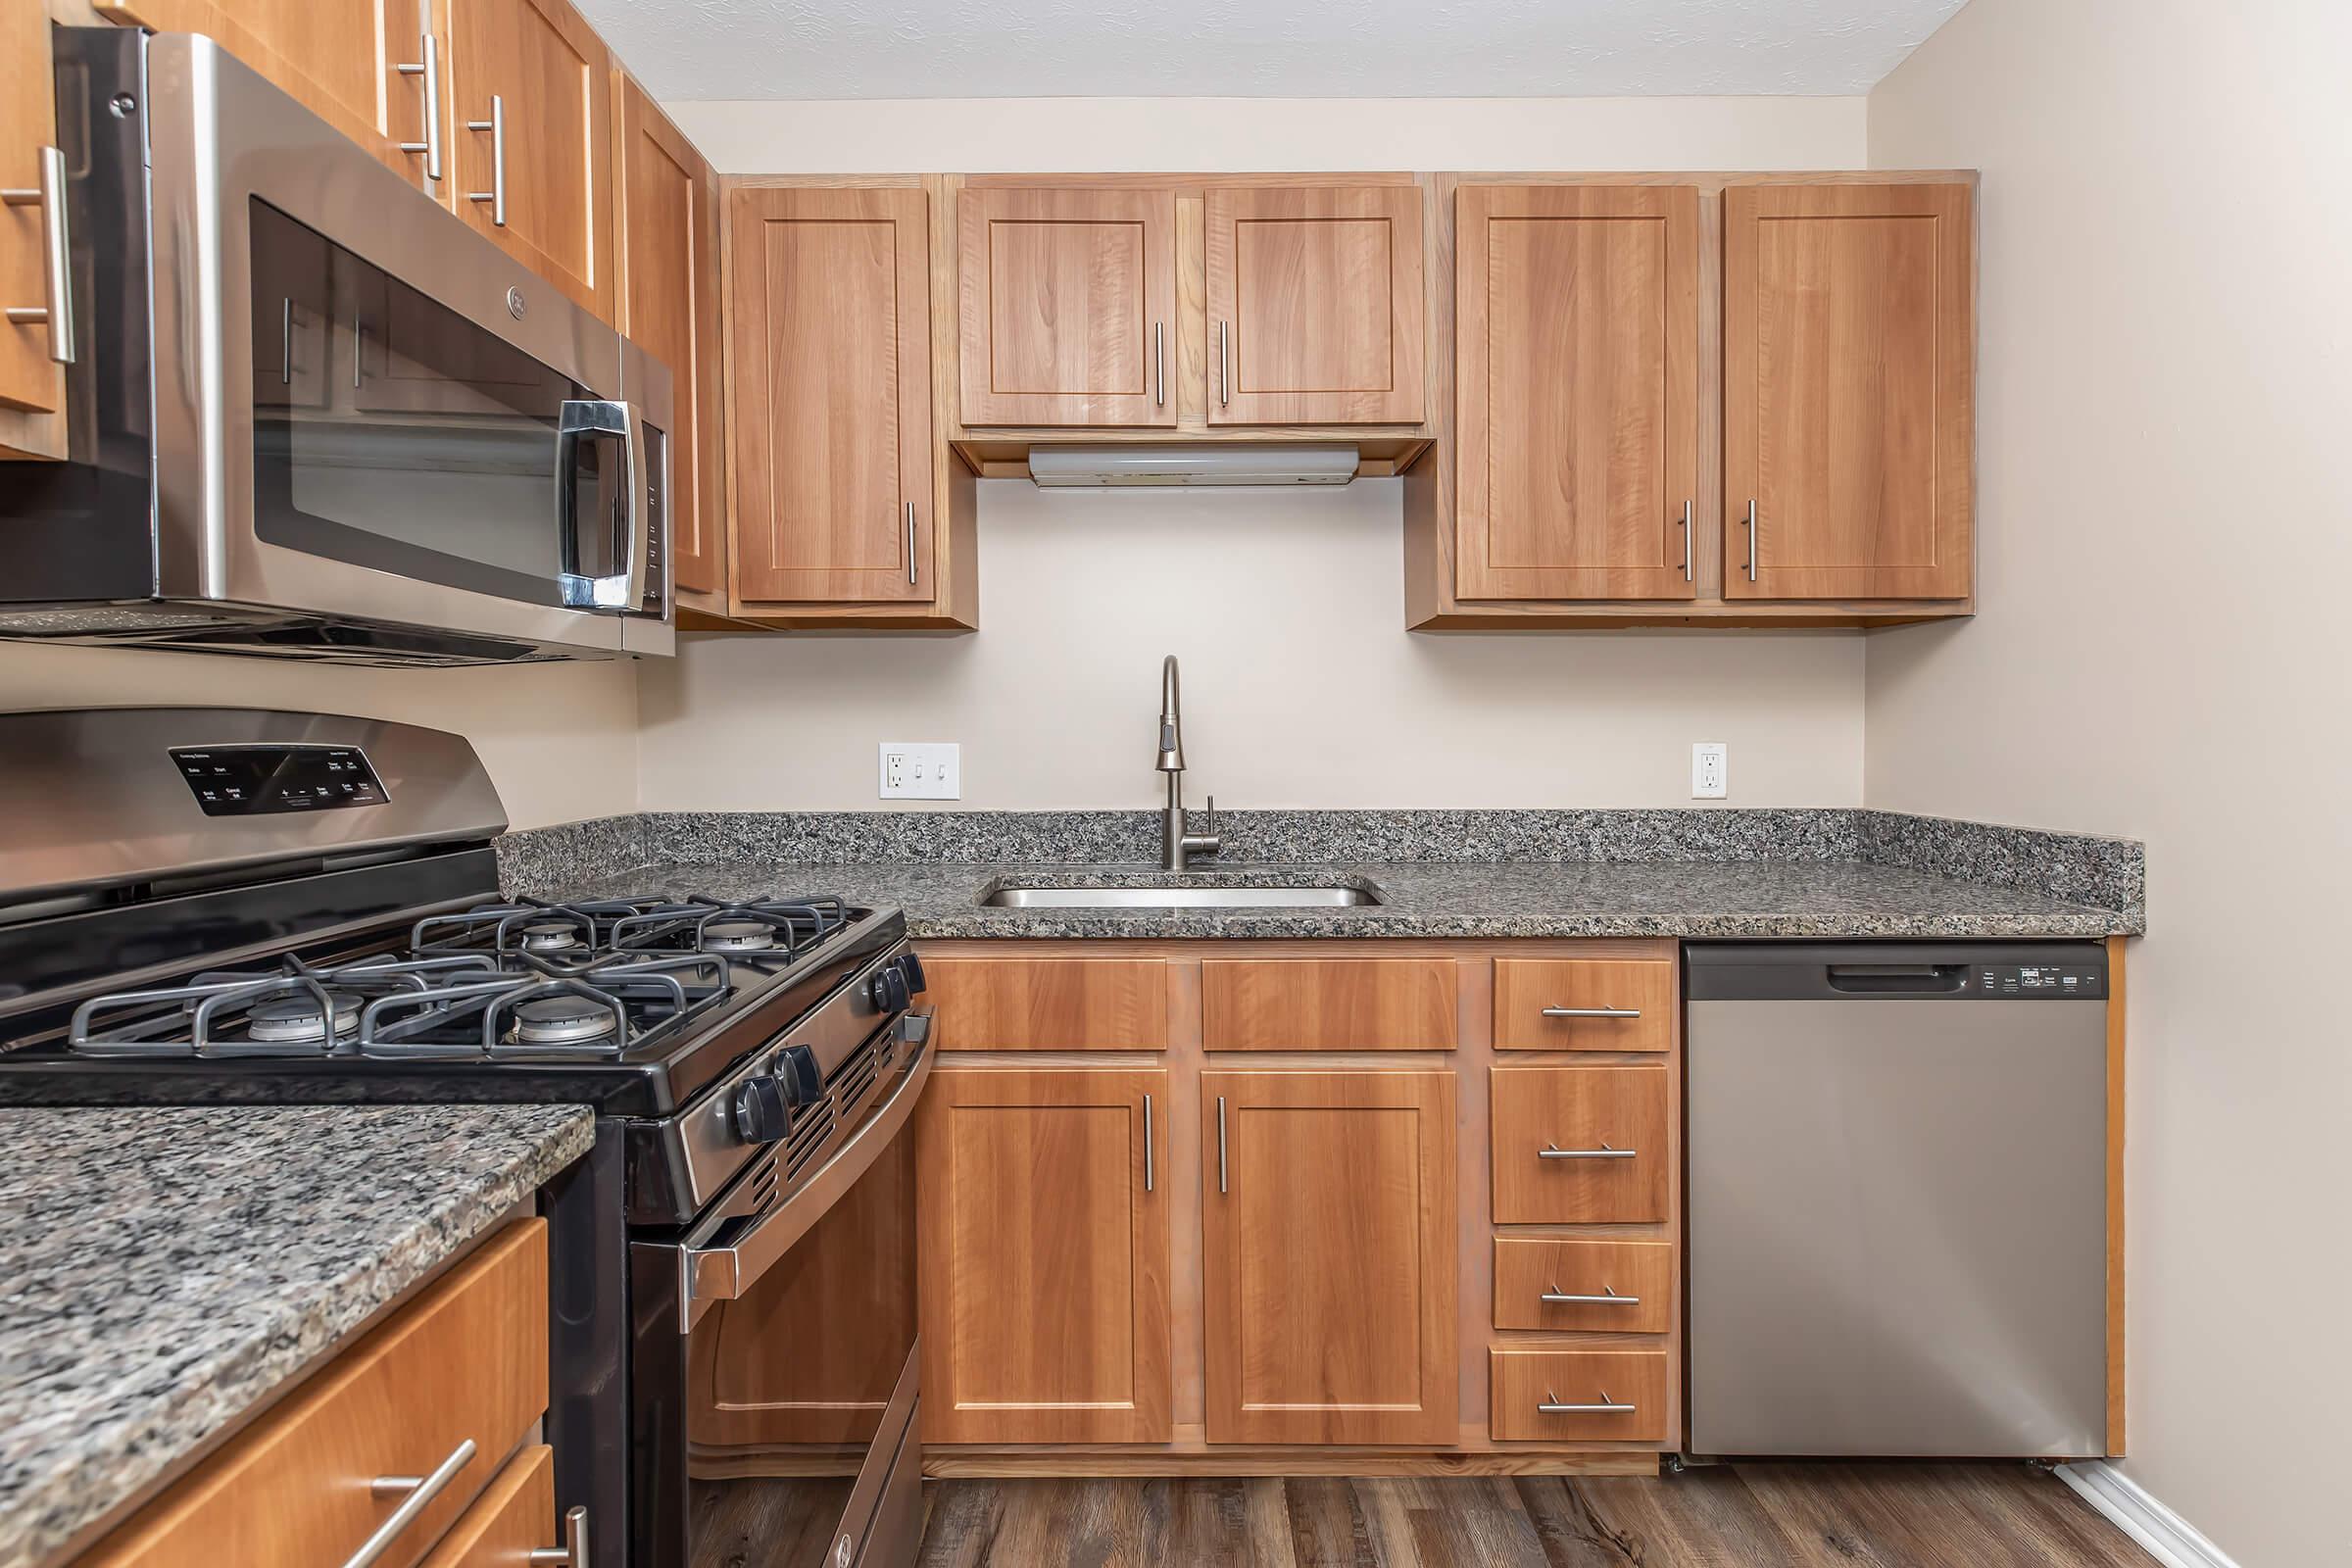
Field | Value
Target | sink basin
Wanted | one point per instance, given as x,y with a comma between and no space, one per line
1187,898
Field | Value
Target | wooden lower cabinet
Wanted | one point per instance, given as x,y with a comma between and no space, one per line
1042,1205
515,1518
1578,1395
1582,1145
1328,1256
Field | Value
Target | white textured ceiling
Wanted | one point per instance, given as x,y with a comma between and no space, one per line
738,49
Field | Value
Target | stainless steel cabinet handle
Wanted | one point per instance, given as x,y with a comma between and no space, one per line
573,1553
1220,1143
1555,1296
1224,371
420,1492
1591,1013
1607,1407
286,344
1604,1152
57,254
1146,1143
429,67
496,195
1686,541
359,342
1751,540
1160,365
910,543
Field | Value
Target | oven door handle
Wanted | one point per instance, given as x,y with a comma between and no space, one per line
713,1273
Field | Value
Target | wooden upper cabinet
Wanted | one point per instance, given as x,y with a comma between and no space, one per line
1067,306
670,306
829,394
1043,1212
1848,386
1315,308
30,379
341,59
1329,1259
542,70
1577,337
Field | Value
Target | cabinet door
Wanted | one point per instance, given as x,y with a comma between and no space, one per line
1315,309
670,305
1577,341
829,393
1067,307
535,65
1848,336
1329,1257
1043,1210
340,59
28,377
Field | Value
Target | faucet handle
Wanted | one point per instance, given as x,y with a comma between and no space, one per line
1212,816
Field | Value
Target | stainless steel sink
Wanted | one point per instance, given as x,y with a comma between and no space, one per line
1191,898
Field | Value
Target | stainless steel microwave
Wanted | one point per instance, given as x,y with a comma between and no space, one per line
312,413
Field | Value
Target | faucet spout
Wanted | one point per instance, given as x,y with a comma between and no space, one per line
1176,846
1171,719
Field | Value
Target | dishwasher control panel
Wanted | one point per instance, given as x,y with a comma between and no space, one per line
2039,980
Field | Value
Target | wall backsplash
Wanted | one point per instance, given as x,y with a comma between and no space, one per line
1301,688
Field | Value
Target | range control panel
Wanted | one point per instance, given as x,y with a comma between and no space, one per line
2061,980
254,780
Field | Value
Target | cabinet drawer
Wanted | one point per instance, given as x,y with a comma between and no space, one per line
1049,1004
1580,1145
1632,1284
1626,1387
1598,1004
1328,1003
465,1360
515,1518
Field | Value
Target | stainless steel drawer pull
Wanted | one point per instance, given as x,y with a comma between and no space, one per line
417,1493
56,256
1146,1143
496,195
430,69
910,543
1604,1152
1224,371
1555,1296
1160,365
1607,1407
1220,1143
573,1553
1591,1013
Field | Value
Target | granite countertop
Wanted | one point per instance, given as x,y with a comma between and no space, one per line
1723,899
164,1271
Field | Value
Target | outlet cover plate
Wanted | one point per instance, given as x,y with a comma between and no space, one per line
921,770
1710,770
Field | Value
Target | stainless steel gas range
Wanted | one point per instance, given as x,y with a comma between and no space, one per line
219,905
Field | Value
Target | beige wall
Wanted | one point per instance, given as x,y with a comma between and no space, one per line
2161,654
560,740
1301,686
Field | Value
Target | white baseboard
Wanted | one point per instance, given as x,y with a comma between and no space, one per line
2170,1538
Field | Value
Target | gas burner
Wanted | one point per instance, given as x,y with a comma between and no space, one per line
563,1021
738,936
296,1019
549,936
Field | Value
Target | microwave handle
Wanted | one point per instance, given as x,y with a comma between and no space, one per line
614,427
642,519
709,1272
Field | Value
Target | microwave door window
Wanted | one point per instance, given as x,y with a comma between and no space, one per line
392,433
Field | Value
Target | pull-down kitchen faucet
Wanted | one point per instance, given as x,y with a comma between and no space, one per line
1176,846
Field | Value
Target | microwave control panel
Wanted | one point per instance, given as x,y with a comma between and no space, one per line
254,780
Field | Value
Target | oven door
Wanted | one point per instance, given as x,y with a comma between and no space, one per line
364,411
774,1373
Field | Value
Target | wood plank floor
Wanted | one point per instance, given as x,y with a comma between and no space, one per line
1744,1516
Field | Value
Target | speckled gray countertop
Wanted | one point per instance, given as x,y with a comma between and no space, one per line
161,1272
1815,898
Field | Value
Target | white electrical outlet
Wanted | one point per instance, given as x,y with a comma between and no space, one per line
923,770
1710,770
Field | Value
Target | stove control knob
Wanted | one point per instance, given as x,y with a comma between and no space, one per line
761,1113
912,968
891,991
796,1069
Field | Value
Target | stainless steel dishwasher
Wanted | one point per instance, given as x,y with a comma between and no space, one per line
1898,1198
